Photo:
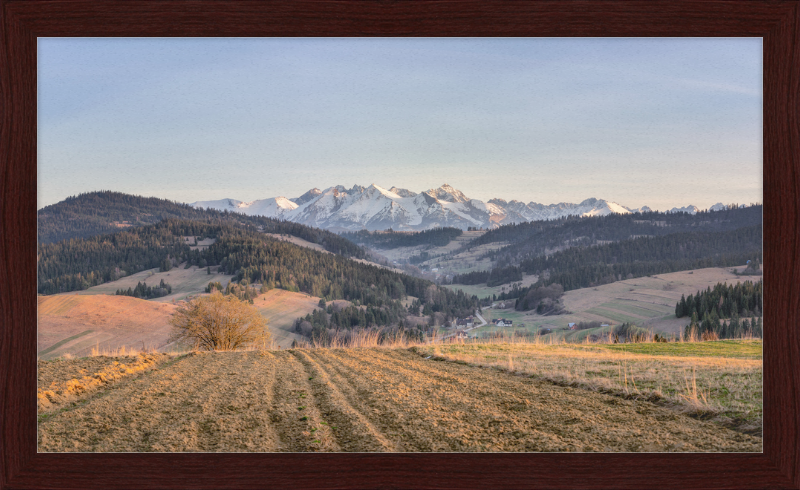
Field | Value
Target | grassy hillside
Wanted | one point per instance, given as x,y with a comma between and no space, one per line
75,325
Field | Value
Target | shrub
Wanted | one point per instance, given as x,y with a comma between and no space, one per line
218,322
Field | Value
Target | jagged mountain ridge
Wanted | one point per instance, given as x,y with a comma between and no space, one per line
377,208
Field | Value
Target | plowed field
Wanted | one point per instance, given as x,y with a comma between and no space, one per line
362,400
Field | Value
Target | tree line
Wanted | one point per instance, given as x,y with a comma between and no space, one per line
744,299
77,264
143,291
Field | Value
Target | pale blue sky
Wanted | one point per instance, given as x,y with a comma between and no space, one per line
657,122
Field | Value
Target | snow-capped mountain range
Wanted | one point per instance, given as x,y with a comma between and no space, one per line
377,208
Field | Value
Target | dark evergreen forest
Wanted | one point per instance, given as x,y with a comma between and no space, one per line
143,291
744,299
727,311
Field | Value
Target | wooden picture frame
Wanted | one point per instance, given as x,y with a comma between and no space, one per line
778,22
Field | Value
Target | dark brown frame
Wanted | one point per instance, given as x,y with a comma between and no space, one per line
778,22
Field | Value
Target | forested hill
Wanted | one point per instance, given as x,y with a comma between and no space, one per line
581,267
534,238
248,254
104,212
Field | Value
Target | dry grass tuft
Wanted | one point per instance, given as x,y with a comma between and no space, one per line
60,393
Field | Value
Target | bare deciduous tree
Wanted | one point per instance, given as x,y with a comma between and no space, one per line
218,322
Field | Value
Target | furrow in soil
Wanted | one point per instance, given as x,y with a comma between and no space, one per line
295,412
337,400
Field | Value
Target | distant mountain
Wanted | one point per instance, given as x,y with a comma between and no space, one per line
376,208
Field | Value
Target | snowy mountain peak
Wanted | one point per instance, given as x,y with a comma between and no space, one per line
377,208
403,192
220,204
375,188
311,194
447,193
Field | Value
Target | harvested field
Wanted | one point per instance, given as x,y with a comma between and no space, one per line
73,324
363,400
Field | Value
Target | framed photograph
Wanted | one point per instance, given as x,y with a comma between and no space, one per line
535,345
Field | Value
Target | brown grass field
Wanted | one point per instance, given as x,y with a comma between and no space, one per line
74,324
352,400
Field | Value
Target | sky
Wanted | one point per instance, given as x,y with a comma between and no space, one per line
656,122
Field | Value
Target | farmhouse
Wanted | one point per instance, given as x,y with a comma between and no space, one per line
502,322
465,322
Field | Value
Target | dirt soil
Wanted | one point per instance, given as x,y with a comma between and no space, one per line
364,400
